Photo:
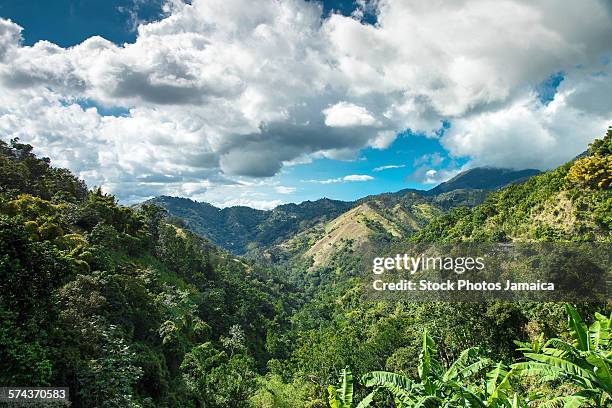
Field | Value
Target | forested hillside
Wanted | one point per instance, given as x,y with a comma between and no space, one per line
494,354
239,229
243,229
484,178
118,305
572,202
129,308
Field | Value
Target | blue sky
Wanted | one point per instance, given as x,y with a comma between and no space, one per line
467,105
70,22
402,155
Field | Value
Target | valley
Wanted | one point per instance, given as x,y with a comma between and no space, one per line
179,303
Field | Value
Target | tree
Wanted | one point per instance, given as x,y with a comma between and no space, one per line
107,379
592,172
217,380
153,216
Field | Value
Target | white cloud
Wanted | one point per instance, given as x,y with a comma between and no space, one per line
433,168
439,176
284,189
527,134
258,204
389,167
220,89
349,178
358,177
432,159
383,139
344,114
10,36
429,176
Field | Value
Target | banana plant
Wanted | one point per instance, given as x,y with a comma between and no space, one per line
499,391
585,362
457,386
342,395
406,392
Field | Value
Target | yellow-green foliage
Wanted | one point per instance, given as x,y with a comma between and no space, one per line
77,246
42,216
86,256
592,172
50,230
82,267
31,207
274,393
73,241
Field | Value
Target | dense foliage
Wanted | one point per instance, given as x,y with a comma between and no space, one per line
127,307
572,202
118,305
473,380
242,229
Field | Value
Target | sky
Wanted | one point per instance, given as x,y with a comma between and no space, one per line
237,102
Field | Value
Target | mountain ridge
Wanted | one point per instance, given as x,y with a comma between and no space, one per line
490,178
517,176
241,229
569,203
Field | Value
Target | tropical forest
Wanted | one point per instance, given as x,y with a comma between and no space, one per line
175,303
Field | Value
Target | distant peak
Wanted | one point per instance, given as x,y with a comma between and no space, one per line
484,178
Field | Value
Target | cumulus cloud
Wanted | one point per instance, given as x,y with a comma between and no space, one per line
344,114
217,90
433,168
429,176
528,134
10,36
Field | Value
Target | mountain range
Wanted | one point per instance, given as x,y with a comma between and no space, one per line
127,305
325,223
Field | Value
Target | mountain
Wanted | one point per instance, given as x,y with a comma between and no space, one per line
483,178
327,223
572,202
239,229
380,219
124,305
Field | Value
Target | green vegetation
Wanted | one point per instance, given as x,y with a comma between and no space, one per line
121,307
243,230
570,203
581,368
128,307
484,178
595,170
240,229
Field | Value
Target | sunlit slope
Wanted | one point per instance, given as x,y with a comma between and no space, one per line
370,221
572,202
318,229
